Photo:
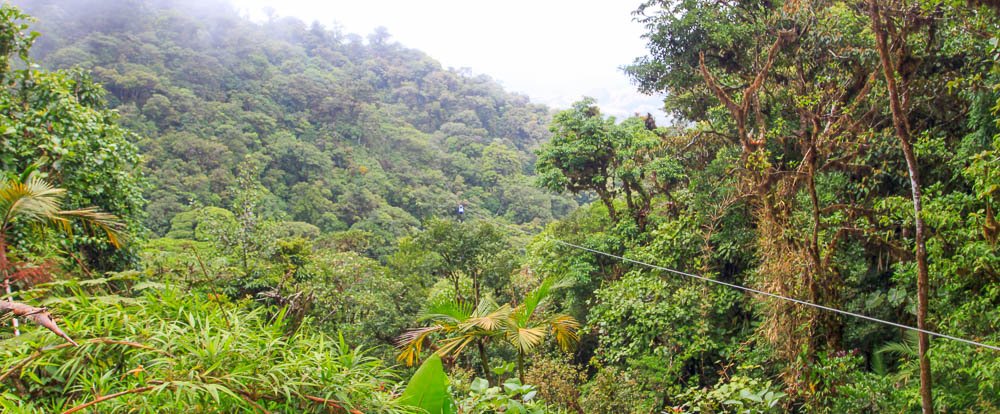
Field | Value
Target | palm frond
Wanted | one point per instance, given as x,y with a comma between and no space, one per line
461,325
91,216
562,283
907,348
33,201
36,201
564,328
485,307
526,339
411,343
537,298
906,351
454,346
488,317
447,311
533,300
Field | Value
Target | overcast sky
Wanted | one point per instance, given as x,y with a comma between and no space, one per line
554,51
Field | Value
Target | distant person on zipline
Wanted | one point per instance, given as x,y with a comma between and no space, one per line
461,212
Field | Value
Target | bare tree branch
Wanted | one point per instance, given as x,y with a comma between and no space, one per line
39,316
108,397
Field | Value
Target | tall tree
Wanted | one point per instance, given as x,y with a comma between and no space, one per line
57,121
911,18
477,250
591,152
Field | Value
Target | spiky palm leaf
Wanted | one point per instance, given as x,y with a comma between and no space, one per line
525,321
458,321
34,200
537,299
445,316
91,216
906,350
533,301
37,202
455,345
526,339
411,343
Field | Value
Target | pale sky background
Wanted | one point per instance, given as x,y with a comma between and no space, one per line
554,51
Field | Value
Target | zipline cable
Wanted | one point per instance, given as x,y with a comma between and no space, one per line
785,298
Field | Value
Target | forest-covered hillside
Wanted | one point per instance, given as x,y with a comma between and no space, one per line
345,132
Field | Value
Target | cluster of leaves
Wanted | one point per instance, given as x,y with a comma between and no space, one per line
56,124
512,397
739,394
557,381
159,349
524,327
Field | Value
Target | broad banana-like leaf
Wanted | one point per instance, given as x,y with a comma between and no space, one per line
428,388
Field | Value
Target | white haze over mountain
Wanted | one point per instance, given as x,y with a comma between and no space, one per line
554,51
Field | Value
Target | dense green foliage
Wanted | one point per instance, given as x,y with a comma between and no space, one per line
57,124
789,177
175,350
345,133
305,182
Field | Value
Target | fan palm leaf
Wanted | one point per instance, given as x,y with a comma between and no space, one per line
488,317
91,216
564,329
34,200
37,202
526,339
532,301
455,345
460,325
446,311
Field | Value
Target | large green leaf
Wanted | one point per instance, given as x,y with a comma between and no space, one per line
428,388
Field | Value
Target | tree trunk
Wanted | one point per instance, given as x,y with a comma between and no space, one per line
475,286
520,366
5,271
609,202
454,277
487,372
902,128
